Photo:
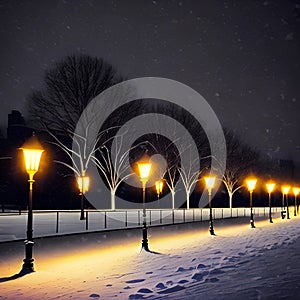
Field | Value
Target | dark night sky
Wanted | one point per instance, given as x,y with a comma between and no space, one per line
242,56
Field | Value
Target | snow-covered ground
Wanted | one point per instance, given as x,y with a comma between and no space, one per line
237,263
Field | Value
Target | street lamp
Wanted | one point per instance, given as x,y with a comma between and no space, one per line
83,185
296,192
32,151
210,183
270,187
285,190
144,167
159,187
251,183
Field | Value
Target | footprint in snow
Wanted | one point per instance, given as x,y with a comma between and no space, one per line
94,296
160,286
136,296
199,276
201,266
144,291
183,281
181,269
127,287
173,289
135,281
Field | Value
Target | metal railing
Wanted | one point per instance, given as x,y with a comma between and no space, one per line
64,221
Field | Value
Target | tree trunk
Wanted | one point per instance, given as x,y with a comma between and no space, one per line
230,199
112,200
187,199
173,200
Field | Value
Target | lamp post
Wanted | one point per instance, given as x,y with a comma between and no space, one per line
159,188
144,169
32,151
270,187
285,190
296,192
210,183
83,185
251,183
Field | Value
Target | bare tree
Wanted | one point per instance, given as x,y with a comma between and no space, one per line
241,159
114,165
189,174
69,87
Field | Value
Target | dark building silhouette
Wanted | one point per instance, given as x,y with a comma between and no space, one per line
17,130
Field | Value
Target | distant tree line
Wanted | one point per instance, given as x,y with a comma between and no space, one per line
55,110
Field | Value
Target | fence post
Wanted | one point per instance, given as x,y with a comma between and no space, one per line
105,221
173,216
139,218
150,217
126,220
201,215
57,213
160,216
86,220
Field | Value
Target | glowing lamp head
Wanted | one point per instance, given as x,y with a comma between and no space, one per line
83,184
32,150
285,189
251,183
159,186
144,170
144,167
270,187
210,182
296,191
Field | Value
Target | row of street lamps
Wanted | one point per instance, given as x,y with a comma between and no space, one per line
270,186
33,150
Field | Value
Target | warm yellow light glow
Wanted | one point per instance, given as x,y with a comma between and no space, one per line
251,183
32,151
83,183
296,191
144,170
285,189
32,159
270,187
210,182
159,186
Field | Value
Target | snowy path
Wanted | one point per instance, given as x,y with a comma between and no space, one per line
238,263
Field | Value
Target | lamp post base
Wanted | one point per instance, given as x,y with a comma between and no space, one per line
252,223
28,265
211,228
145,245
